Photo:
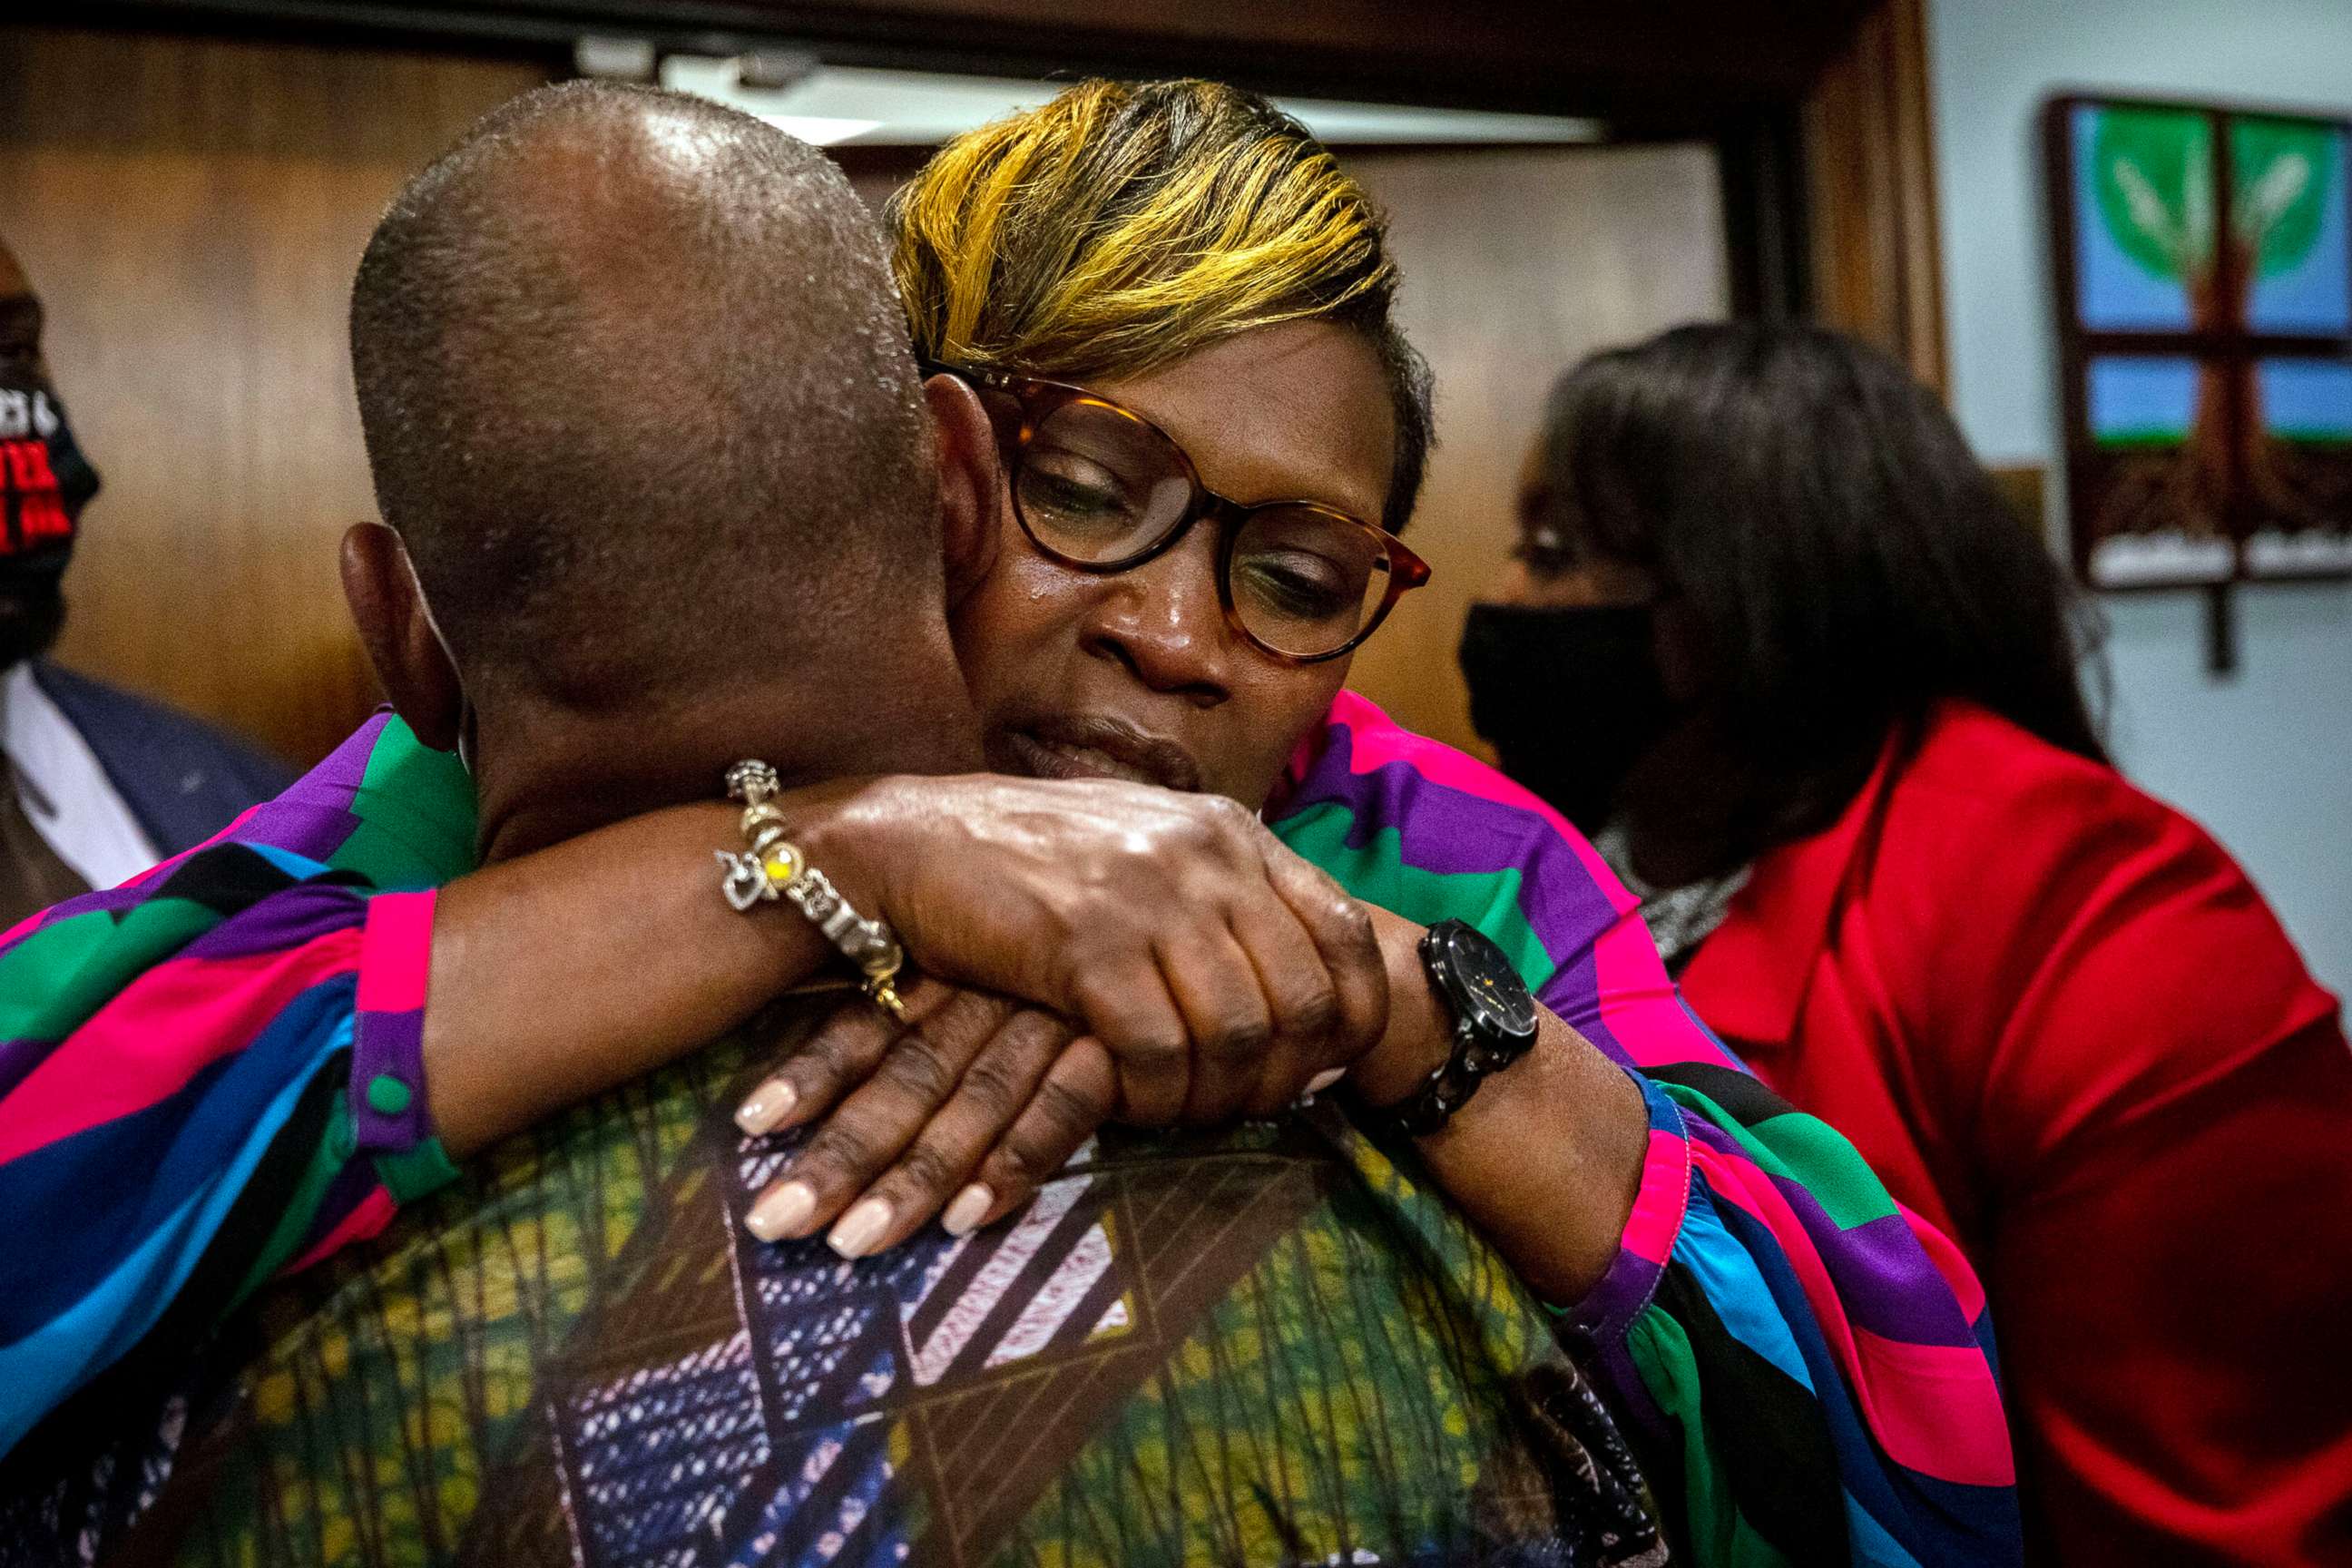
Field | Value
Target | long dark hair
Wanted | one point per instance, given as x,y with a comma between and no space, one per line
1844,561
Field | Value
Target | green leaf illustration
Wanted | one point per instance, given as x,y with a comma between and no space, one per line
2284,173
2152,173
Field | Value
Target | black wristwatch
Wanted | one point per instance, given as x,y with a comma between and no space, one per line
1494,1025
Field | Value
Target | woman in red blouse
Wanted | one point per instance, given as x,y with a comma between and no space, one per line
1773,636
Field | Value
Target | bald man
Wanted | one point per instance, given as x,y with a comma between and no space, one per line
669,494
96,784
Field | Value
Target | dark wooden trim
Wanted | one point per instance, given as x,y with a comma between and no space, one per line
2022,486
2058,196
2077,345
2268,345
1668,69
1760,165
1877,262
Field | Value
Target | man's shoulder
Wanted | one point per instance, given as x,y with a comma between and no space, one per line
382,805
86,700
182,776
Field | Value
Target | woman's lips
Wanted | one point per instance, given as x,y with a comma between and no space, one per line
1049,760
1097,748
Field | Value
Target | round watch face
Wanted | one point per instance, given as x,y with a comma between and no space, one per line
1486,987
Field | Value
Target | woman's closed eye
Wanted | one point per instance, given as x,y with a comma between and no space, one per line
1074,488
1299,583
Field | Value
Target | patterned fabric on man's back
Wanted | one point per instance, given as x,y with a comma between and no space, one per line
1238,1349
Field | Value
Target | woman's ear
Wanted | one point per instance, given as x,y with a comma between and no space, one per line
396,629
971,483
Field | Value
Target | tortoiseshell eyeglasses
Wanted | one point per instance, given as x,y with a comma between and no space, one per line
1101,489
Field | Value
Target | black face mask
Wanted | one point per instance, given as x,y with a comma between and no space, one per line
1570,698
45,481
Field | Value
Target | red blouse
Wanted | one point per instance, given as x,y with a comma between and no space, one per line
2061,1023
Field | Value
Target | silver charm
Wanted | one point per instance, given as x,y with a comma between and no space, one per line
752,781
746,882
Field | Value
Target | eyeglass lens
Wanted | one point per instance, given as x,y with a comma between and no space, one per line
1100,487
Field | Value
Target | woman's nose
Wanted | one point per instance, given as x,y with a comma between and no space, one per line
1164,621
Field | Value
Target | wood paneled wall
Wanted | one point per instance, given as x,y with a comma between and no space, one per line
1517,264
191,212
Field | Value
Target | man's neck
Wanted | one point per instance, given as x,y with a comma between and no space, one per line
544,777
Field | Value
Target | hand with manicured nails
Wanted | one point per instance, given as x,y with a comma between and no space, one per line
963,1113
1207,959
1218,975
966,1111
1238,977
1215,970
966,1108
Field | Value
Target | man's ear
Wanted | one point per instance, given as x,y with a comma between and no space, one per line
396,629
971,483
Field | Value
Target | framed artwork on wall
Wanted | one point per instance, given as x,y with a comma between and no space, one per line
2203,266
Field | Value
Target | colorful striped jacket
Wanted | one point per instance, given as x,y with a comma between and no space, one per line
208,1077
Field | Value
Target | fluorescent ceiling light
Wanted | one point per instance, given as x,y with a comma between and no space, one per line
917,108
820,132
1343,124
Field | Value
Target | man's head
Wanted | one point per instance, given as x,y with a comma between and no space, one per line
640,405
44,478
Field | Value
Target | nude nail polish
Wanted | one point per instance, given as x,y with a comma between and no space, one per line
780,1211
855,1232
769,1104
964,1215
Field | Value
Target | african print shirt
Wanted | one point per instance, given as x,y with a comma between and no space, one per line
1236,1349
1803,1367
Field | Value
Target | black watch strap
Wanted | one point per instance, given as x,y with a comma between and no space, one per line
1445,1090
1479,1051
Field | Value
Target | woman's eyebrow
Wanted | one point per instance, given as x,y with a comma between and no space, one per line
1298,471
1307,482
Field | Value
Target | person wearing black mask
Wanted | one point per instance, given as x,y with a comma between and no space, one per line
96,785
1774,639
1570,628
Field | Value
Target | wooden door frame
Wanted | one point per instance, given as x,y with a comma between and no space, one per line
1871,237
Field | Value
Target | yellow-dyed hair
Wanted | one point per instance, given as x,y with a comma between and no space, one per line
1120,228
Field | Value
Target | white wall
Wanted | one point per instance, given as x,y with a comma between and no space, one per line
2263,758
